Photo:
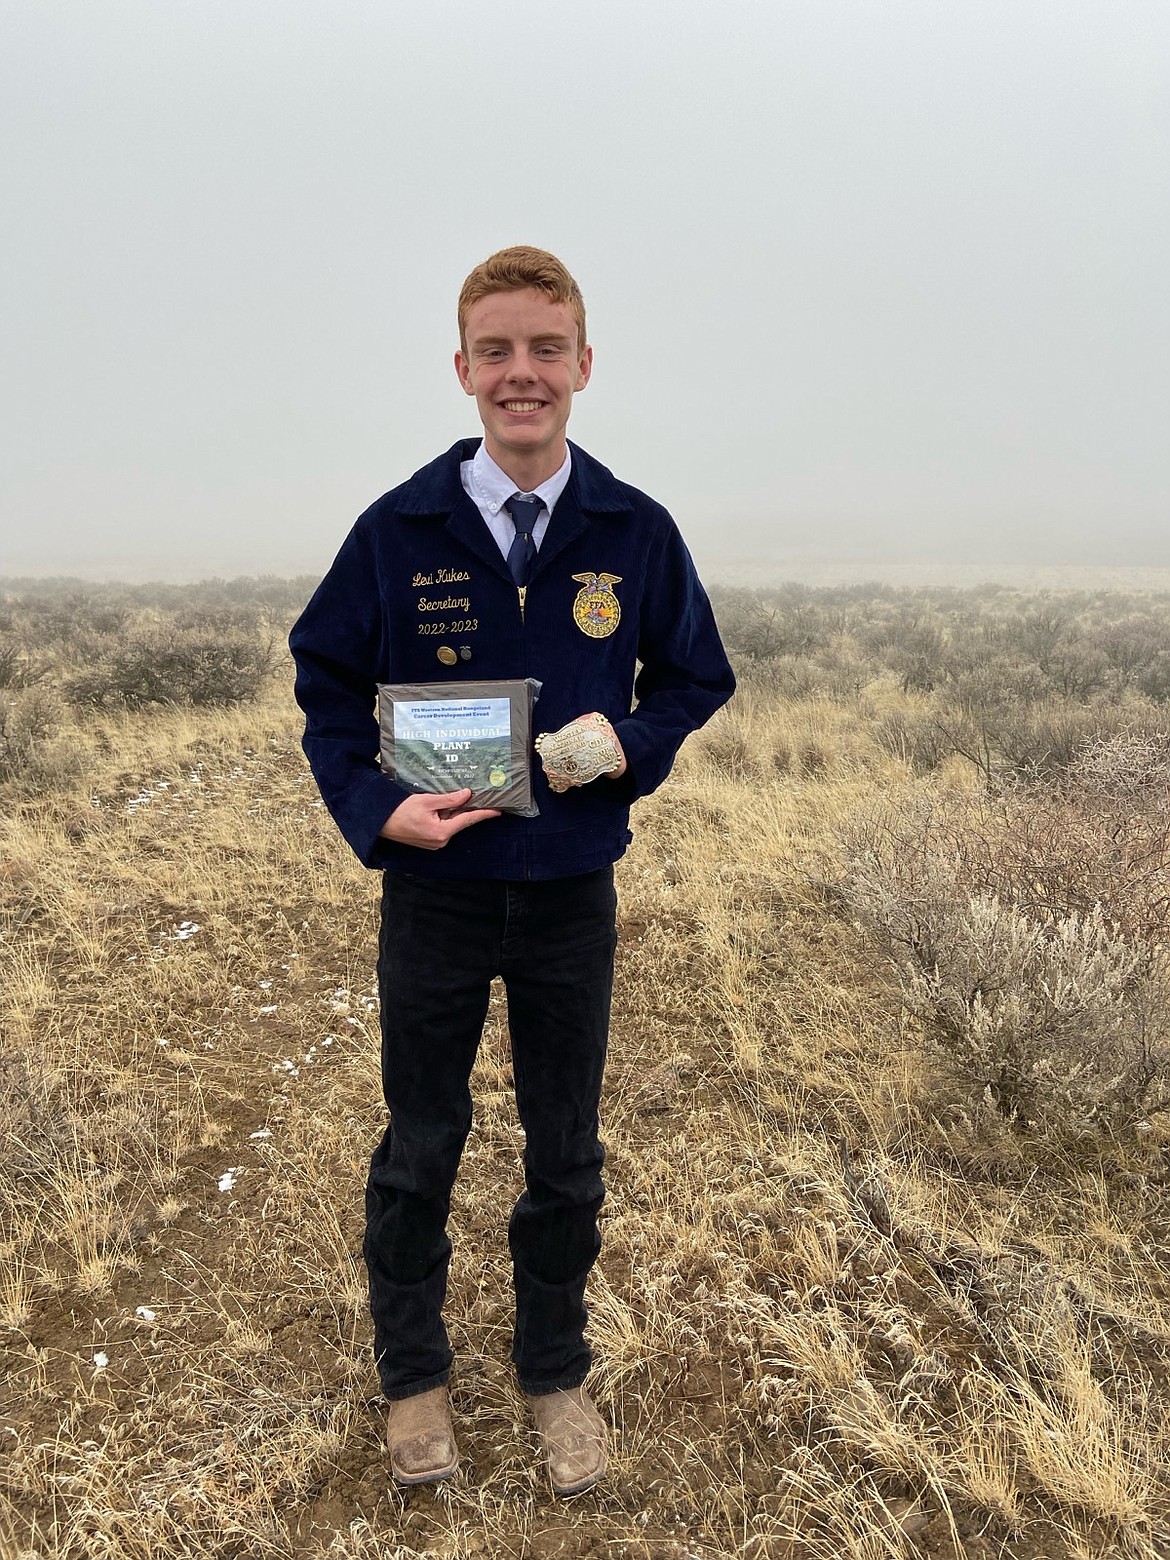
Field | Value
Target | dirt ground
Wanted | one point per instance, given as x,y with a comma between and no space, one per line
827,1324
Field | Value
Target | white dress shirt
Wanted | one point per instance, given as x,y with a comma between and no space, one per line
489,489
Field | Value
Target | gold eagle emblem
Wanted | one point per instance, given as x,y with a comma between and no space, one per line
596,610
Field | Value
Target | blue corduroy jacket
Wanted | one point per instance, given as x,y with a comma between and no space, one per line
420,572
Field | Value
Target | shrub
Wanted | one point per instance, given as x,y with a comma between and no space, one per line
1078,668
11,665
1039,633
914,736
1026,930
846,668
785,677
1044,739
30,720
1097,835
17,669
1131,767
759,625
1137,649
1058,1025
915,650
193,665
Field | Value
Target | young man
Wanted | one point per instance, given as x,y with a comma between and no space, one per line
517,556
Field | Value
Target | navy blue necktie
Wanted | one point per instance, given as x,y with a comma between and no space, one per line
522,553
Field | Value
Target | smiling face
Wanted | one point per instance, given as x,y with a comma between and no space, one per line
522,362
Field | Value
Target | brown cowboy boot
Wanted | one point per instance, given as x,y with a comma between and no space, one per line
420,1438
573,1434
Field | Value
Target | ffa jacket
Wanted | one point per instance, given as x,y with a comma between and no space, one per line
420,574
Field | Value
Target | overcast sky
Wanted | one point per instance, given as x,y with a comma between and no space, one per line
866,279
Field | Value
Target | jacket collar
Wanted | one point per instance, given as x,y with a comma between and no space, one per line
437,490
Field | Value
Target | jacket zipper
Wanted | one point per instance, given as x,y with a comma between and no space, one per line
522,592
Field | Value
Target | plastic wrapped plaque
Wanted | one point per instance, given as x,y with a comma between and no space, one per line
445,736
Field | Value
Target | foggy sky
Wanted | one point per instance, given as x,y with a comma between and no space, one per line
872,280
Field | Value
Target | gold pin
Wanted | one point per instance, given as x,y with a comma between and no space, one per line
446,655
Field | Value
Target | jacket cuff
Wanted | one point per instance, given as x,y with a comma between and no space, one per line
365,815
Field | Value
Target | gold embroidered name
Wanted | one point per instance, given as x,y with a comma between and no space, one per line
440,577
447,604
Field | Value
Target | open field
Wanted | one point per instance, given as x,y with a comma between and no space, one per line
772,573
873,1283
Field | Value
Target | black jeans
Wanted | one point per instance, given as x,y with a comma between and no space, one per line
441,943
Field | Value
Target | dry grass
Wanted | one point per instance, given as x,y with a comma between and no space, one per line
823,1330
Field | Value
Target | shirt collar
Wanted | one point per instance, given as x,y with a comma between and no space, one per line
492,487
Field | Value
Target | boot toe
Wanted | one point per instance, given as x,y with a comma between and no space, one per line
421,1439
423,1457
573,1435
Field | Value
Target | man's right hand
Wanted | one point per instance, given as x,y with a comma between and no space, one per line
428,821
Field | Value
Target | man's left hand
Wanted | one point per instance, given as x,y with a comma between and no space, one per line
614,774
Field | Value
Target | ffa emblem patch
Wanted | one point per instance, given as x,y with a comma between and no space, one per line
596,610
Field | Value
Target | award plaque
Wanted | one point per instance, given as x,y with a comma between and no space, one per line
447,736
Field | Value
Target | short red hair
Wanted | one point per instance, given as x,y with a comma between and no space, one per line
511,270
